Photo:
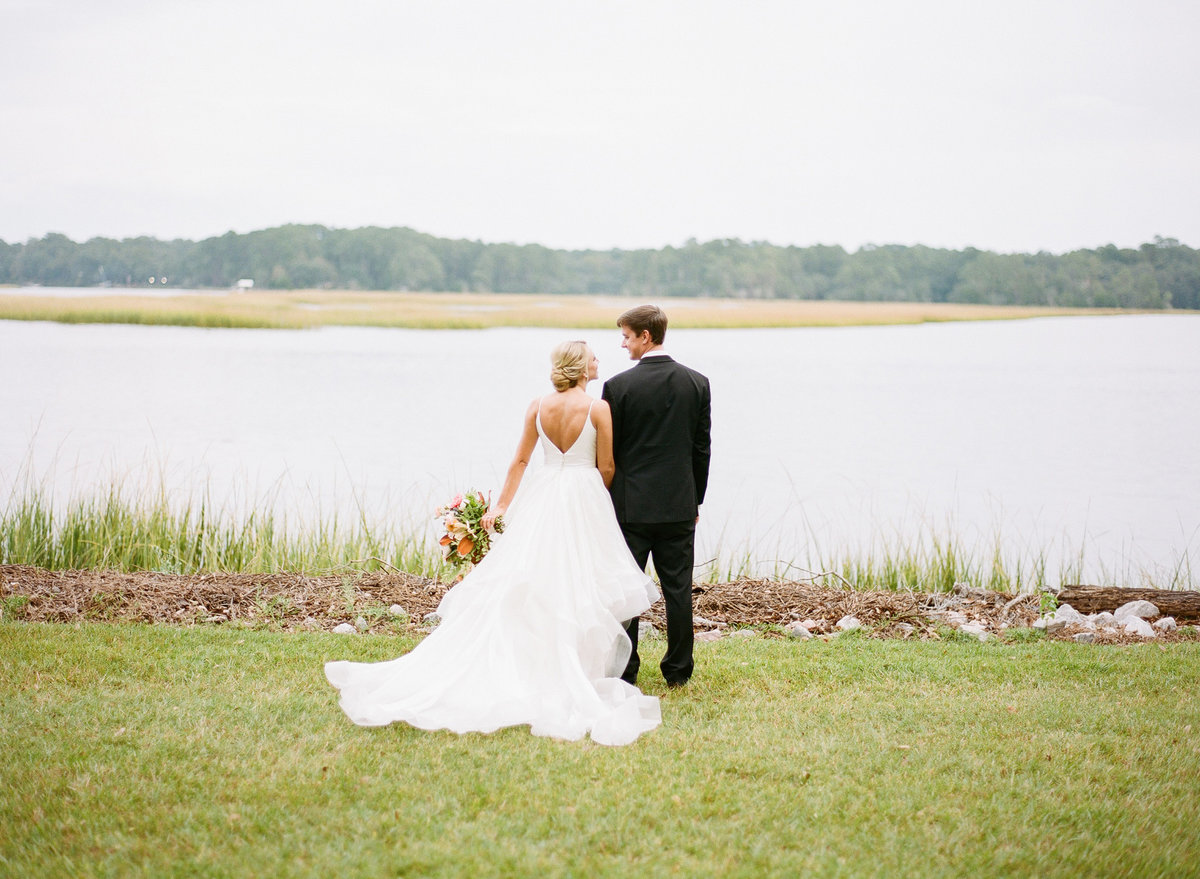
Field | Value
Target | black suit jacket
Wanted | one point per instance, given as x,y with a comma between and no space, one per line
661,424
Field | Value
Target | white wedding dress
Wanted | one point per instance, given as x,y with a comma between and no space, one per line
533,635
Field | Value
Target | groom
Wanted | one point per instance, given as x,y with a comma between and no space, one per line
661,419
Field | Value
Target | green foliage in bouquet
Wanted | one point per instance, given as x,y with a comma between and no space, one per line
465,541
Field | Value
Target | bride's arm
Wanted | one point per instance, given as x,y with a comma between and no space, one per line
517,468
602,419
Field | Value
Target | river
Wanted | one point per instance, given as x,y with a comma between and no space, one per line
1070,438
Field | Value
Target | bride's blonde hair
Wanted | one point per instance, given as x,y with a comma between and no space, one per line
569,364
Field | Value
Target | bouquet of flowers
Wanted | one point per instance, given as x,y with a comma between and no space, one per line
466,541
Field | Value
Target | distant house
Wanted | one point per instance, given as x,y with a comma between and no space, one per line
245,284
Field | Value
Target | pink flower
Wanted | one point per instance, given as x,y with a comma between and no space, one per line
457,502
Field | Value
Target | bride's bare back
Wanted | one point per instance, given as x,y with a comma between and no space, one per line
563,414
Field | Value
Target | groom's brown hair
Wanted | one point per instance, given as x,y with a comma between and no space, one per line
646,317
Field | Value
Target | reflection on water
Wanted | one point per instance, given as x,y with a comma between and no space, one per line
1059,435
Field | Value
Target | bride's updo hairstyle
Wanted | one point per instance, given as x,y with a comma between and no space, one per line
569,362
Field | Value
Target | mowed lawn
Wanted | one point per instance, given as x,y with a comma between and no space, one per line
164,751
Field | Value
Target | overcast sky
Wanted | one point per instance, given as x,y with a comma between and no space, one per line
1009,126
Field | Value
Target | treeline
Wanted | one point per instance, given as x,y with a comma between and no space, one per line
1160,274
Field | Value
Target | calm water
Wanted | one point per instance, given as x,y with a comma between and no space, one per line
1060,435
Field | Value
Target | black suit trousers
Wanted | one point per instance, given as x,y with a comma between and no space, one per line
672,546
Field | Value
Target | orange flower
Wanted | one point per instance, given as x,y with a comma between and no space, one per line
445,541
465,546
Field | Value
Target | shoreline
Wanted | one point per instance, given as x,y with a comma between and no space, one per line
292,601
310,309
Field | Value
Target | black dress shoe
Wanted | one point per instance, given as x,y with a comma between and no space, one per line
676,685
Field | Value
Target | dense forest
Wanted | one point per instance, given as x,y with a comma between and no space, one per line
1161,274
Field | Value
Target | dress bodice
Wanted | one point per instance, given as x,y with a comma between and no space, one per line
582,452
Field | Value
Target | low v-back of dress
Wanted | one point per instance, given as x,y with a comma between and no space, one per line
584,456
533,635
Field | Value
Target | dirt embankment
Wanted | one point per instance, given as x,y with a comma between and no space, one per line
296,601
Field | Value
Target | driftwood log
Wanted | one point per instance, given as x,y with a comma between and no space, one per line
1184,606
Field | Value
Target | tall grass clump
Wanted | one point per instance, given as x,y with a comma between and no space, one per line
936,559
144,531
932,560
113,532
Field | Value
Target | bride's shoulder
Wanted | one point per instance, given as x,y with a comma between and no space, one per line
531,411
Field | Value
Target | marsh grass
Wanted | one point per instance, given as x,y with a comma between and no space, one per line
934,556
111,531
303,309
157,751
929,561
127,530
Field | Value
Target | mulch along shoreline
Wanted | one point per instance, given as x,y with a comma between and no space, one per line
293,601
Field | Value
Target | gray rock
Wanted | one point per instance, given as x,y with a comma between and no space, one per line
955,618
976,629
646,630
712,624
1053,624
1063,616
398,611
743,634
1084,637
1104,618
310,622
1137,626
1141,609
361,624
345,629
797,630
810,624
432,618
710,635
1166,624
1068,614
906,628
847,623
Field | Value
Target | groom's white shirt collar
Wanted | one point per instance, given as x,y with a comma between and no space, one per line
660,352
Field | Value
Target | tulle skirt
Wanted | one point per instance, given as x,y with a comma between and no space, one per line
533,635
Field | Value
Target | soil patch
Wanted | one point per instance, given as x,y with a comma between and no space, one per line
291,601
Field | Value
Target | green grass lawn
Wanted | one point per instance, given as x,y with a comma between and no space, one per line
152,750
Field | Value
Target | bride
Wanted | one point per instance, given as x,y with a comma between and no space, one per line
534,634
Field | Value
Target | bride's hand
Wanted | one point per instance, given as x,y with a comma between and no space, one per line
489,519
